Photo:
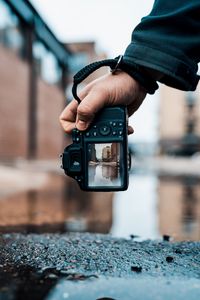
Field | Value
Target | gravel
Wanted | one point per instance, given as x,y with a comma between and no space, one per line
96,254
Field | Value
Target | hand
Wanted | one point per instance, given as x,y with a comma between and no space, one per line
108,90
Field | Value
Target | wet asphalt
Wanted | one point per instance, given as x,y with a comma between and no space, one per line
96,266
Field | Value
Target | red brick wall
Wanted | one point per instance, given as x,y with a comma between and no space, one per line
49,132
14,99
13,105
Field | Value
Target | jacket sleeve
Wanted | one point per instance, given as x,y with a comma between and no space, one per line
166,43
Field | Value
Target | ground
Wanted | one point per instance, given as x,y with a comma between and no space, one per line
86,266
91,266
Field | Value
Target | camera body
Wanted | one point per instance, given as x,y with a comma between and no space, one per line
98,157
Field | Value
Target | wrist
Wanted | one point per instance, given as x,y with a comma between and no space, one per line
136,72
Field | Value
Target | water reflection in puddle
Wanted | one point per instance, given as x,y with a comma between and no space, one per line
179,207
59,206
152,206
158,205
135,210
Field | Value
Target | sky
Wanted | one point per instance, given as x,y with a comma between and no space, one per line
109,23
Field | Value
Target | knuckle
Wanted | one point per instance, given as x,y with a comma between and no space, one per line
85,110
61,118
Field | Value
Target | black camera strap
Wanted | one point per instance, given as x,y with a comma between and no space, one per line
115,64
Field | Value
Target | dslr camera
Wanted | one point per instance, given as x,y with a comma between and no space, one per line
98,158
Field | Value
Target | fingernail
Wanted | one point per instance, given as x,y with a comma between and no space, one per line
81,125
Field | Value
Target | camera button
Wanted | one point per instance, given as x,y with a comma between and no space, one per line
105,130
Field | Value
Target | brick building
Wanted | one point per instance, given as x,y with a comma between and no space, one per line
179,122
33,70
85,53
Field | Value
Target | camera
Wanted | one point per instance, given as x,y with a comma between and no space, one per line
98,158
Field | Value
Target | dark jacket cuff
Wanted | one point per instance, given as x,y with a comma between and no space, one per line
175,72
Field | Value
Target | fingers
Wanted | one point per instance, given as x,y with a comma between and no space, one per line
87,109
81,115
108,90
130,130
68,116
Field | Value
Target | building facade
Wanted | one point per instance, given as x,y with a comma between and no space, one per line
179,122
33,71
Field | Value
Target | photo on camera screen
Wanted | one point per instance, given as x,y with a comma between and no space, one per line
104,165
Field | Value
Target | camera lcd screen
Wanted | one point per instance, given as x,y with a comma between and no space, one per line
105,166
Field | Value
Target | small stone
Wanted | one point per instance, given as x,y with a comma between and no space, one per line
134,236
169,259
137,269
51,276
178,251
166,237
98,241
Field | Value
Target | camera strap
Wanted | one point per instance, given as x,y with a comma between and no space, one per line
115,64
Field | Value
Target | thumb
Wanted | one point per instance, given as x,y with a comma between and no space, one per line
88,107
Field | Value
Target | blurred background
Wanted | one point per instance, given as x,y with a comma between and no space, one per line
42,45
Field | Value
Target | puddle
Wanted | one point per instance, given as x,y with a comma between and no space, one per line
152,207
135,210
155,206
24,283
59,206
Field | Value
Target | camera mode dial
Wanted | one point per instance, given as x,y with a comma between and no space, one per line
104,129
